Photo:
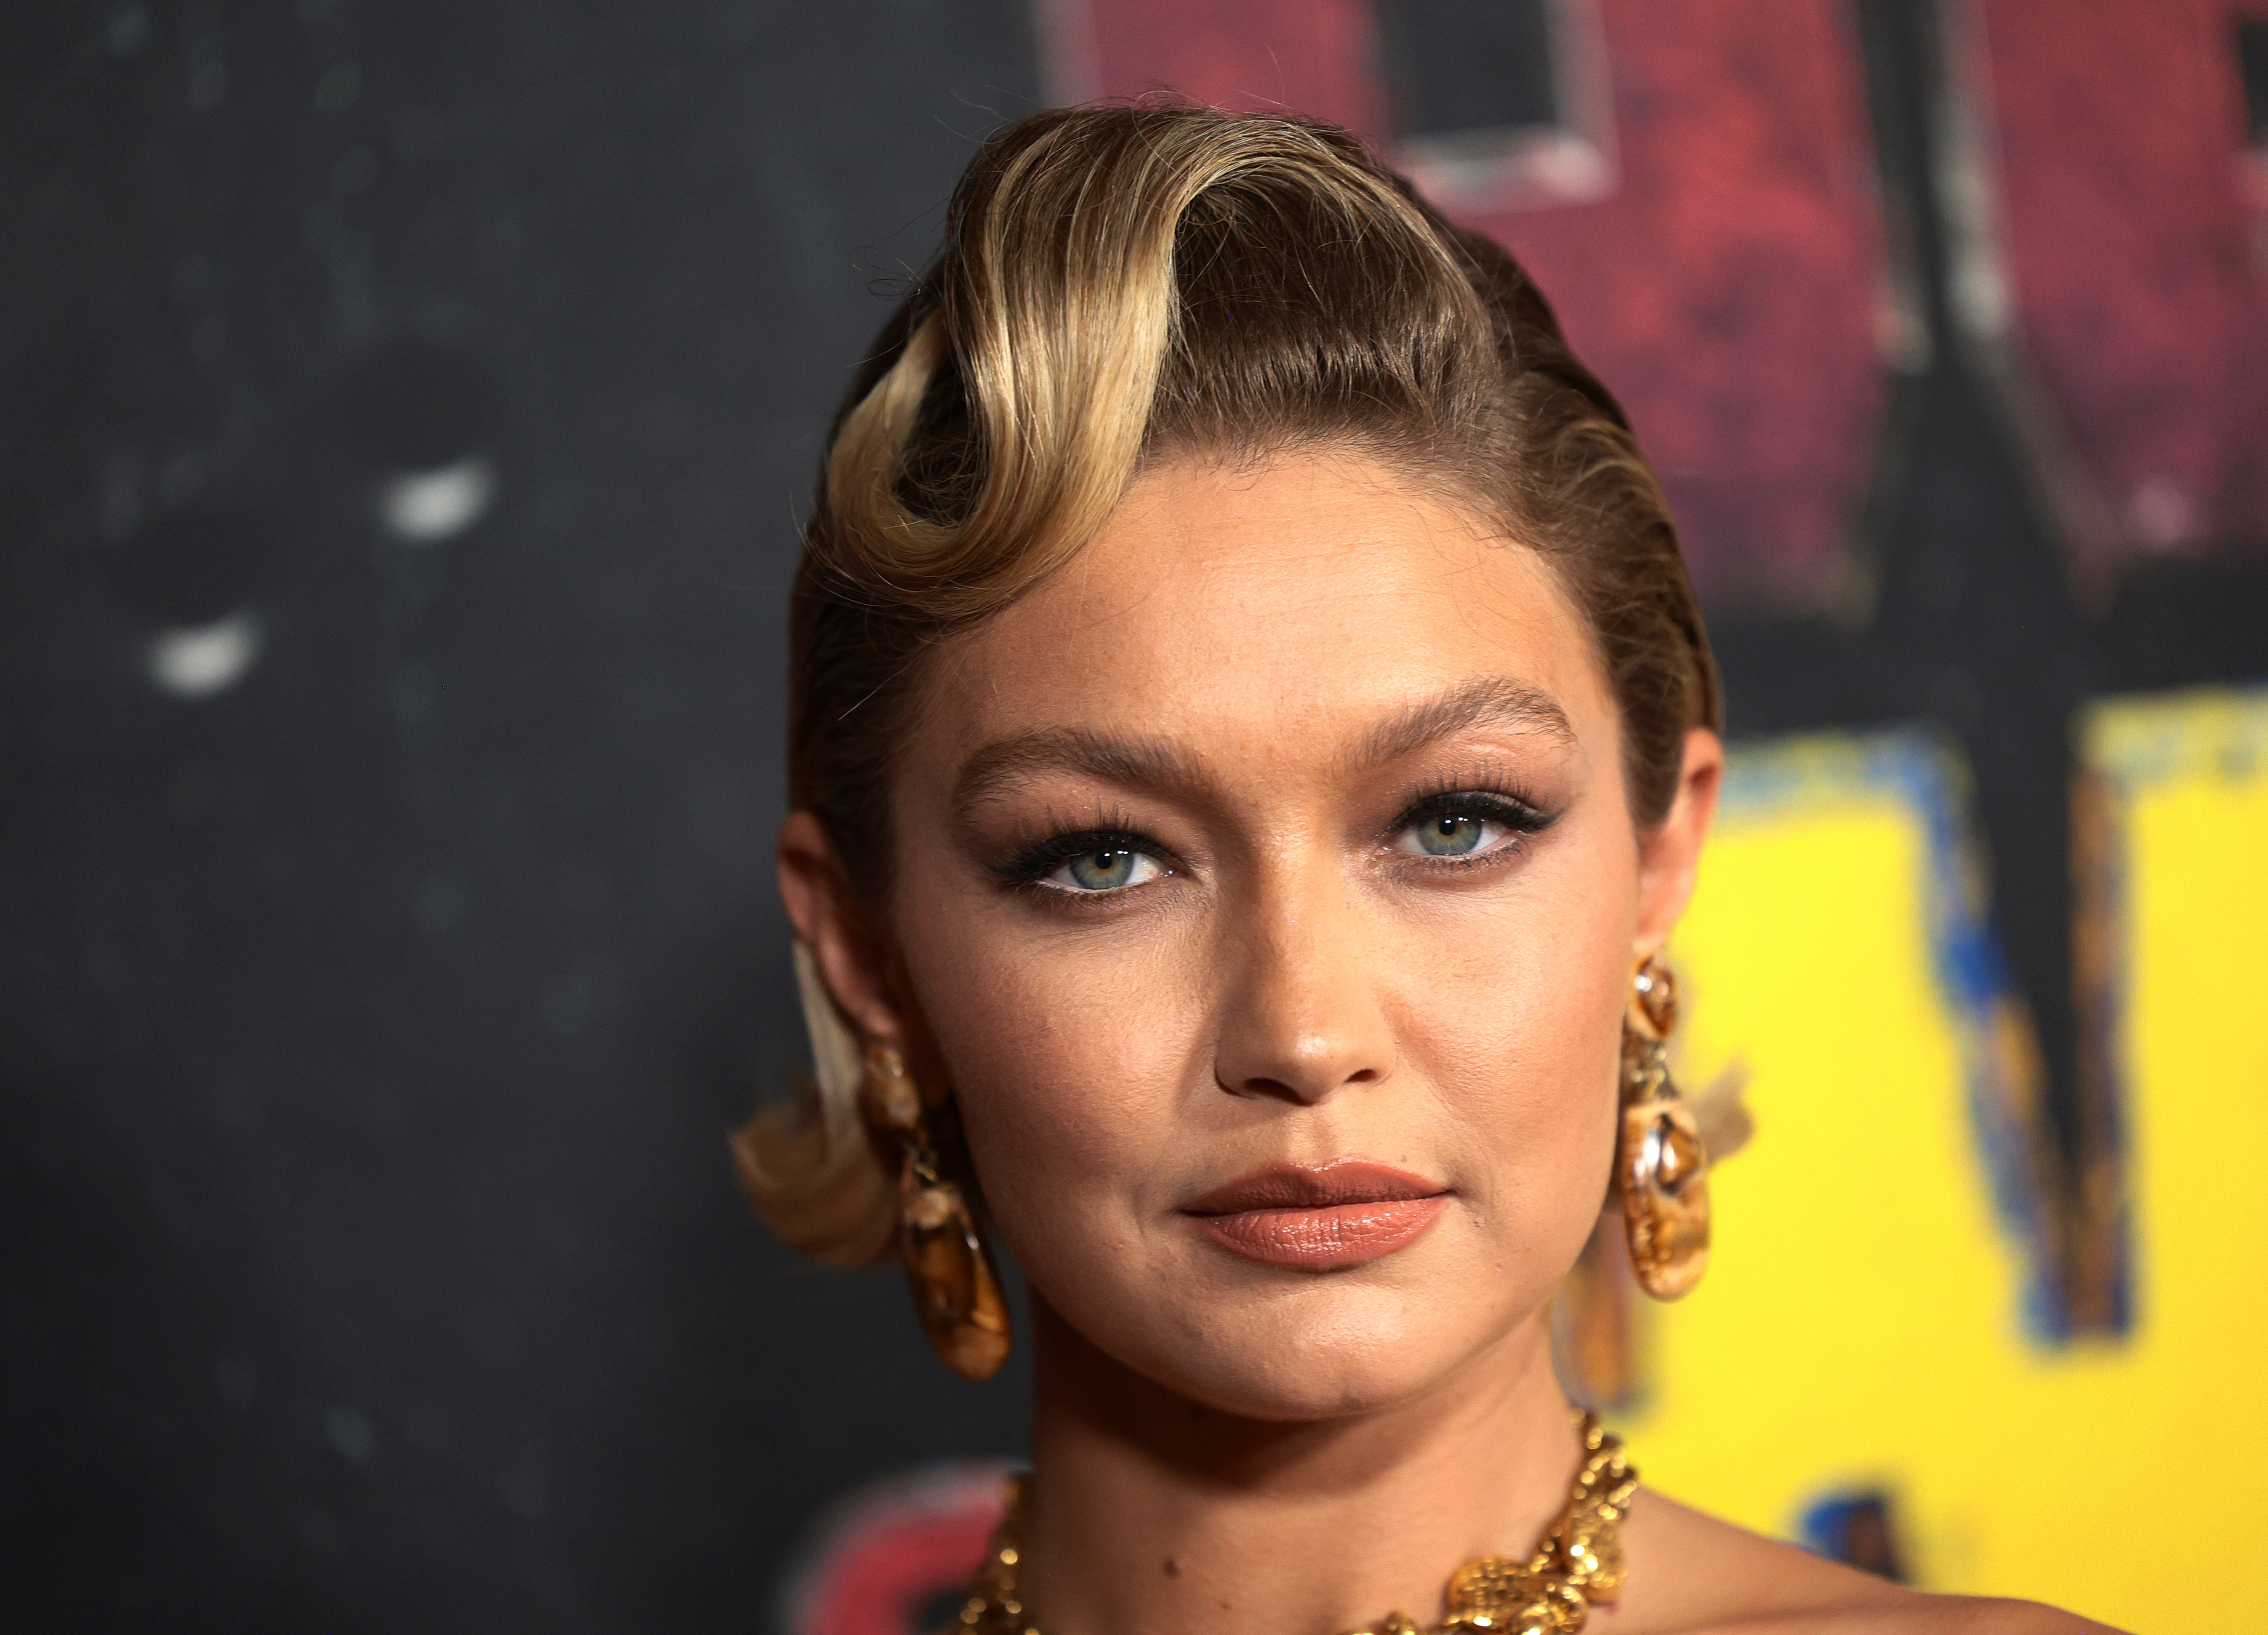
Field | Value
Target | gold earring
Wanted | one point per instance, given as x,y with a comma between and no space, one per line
1660,1165
956,1293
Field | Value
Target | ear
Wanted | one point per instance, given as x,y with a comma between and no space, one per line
1668,856
851,957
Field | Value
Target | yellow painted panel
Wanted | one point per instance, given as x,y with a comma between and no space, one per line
1862,1323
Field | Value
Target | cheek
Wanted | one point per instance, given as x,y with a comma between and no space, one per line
1524,1049
1071,1058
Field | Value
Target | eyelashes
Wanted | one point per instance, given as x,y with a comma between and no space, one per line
1450,828
1108,858
1465,828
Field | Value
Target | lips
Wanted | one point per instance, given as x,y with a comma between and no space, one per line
1347,1213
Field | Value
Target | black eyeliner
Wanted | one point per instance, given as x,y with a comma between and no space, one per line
1513,812
1036,862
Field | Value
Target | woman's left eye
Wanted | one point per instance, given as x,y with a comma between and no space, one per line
1450,836
1110,868
1454,834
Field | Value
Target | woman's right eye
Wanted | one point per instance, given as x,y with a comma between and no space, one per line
1108,868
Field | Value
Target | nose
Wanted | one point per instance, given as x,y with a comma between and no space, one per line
1302,1016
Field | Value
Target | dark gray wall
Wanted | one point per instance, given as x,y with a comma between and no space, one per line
369,1029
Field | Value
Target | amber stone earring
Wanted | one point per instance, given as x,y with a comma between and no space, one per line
956,1293
1660,1167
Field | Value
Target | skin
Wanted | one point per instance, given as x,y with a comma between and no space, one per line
1256,674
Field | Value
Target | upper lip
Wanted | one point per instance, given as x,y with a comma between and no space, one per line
1300,1186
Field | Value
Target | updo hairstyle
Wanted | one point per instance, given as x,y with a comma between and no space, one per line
1120,285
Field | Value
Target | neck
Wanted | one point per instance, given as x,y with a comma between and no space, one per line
1151,1512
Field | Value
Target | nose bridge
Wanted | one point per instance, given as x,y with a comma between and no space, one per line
1304,1016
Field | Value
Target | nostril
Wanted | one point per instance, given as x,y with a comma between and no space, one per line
1261,1086
1303,1088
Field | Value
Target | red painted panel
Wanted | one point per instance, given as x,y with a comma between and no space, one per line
2132,232
1312,56
882,1557
1726,289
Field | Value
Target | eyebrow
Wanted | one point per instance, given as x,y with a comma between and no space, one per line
1496,701
1486,701
994,769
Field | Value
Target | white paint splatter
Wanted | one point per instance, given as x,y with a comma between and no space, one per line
340,85
130,29
349,1430
2162,514
426,508
199,660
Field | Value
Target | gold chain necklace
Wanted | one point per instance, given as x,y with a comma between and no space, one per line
1578,1564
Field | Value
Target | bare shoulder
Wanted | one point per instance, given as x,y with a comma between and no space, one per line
1691,1574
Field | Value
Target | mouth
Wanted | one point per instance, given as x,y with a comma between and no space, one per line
1345,1213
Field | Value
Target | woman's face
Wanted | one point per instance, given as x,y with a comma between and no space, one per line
1266,891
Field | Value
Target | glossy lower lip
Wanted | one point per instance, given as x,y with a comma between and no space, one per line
1347,1213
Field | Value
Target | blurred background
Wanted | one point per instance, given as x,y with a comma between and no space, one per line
408,409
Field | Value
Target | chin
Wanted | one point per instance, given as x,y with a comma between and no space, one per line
1327,1347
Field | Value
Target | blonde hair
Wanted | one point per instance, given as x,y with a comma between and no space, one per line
1118,284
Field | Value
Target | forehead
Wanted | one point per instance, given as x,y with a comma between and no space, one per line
1244,610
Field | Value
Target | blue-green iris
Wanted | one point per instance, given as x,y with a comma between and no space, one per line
1451,836
1102,870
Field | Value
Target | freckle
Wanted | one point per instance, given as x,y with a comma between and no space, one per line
1172,1568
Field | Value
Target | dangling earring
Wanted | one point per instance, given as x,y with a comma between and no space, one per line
1660,1164
956,1293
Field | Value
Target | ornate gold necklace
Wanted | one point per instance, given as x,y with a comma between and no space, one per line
1577,1565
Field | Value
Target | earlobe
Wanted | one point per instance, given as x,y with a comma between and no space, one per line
1669,857
826,916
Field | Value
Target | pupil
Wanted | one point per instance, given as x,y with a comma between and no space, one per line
1099,870
1449,836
